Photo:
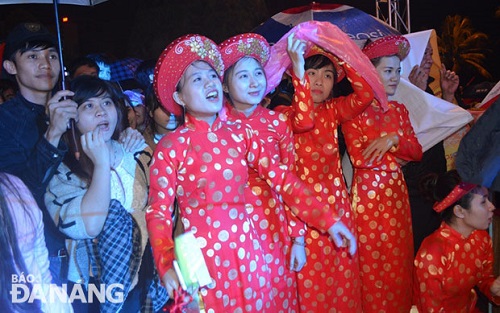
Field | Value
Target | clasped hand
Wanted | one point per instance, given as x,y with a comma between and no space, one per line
343,237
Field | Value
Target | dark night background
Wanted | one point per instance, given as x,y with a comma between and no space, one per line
142,28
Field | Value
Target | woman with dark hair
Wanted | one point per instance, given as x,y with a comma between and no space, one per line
24,254
103,195
458,256
281,234
161,122
379,140
330,278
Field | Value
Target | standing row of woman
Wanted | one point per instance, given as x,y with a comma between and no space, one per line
228,221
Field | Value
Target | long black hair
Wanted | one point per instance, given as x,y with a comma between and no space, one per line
436,187
11,260
86,87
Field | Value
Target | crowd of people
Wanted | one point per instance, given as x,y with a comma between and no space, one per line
97,181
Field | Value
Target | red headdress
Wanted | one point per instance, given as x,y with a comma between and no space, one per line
174,60
315,50
386,46
244,45
456,194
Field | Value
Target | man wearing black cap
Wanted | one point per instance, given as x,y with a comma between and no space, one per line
32,123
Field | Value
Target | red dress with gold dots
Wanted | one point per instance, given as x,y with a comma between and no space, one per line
206,169
274,222
448,266
381,208
329,282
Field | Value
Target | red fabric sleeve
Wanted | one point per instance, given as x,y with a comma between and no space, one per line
159,212
301,111
301,200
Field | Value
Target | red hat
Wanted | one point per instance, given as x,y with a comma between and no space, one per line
315,50
387,46
456,194
244,45
174,60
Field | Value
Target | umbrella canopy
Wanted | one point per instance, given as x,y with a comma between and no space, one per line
124,69
75,2
357,24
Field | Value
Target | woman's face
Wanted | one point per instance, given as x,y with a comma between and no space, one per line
98,112
389,71
164,121
322,82
246,84
200,90
140,114
480,213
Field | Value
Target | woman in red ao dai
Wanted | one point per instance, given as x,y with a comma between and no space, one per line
329,281
378,142
281,234
458,256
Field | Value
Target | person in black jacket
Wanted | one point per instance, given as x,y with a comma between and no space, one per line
32,123
478,156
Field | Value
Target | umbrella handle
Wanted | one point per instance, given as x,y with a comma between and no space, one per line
72,126
59,43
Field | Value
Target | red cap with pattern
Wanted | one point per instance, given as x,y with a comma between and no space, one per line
456,194
244,45
387,46
315,50
174,60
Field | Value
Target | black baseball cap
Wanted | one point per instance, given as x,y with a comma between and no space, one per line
24,33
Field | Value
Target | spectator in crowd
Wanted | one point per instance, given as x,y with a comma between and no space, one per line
83,66
448,80
8,90
144,74
99,201
162,122
32,123
138,115
478,157
25,259
424,218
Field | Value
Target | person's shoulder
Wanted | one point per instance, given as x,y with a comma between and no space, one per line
273,114
143,154
434,244
396,104
10,106
12,116
64,177
481,236
12,181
